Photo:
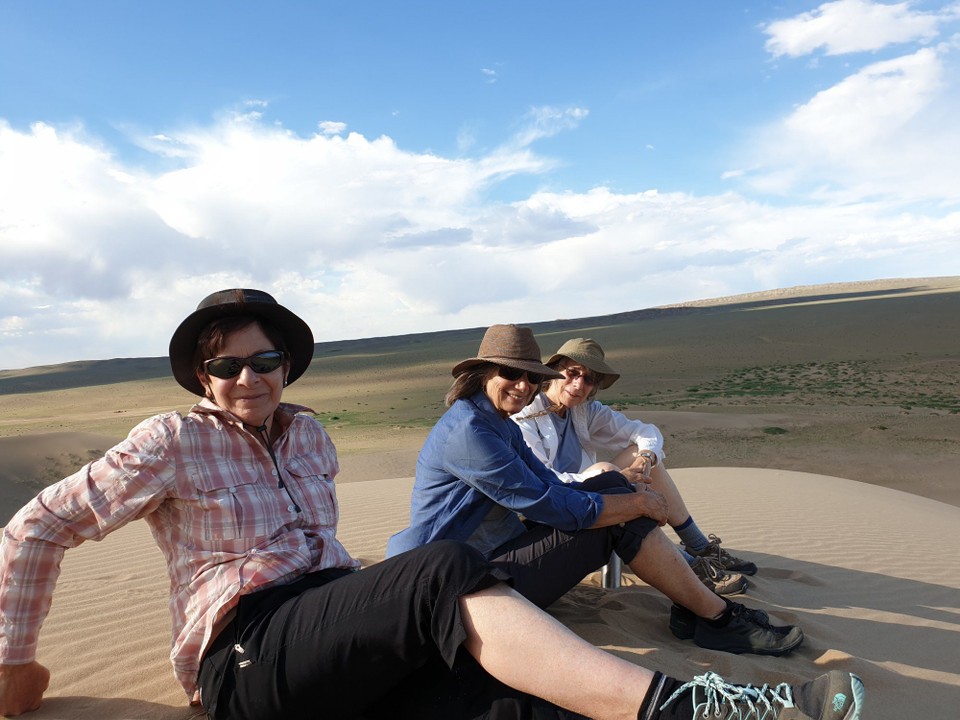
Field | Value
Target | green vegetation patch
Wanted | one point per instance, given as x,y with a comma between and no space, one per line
908,385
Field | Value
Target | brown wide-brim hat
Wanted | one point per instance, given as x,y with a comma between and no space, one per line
238,302
511,346
588,353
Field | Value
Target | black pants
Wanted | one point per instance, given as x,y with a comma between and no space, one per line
381,642
545,563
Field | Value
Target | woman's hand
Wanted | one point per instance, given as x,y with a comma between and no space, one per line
22,687
638,473
652,504
645,502
642,465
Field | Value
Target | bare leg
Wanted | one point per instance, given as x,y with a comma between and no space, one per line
661,565
510,637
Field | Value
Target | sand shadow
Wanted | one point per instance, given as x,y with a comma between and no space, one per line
893,632
93,708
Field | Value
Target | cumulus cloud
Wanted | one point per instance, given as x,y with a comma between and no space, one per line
101,256
850,26
886,130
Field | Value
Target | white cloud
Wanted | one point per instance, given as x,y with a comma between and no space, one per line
331,127
100,258
887,130
849,26
546,121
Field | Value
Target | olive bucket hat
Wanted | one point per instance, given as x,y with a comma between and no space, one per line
510,346
238,302
588,353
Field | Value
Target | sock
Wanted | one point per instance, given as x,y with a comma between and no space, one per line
661,688
690,535
686,556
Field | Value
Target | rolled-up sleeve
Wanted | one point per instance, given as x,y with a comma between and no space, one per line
128,482
610,429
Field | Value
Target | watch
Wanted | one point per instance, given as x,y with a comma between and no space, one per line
651,456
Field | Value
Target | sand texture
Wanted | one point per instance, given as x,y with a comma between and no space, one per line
851,563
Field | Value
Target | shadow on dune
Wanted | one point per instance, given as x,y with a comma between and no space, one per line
900,635
93,708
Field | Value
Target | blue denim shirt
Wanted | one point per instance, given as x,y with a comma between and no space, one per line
473,461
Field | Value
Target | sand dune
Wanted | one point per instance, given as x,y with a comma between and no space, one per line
854,564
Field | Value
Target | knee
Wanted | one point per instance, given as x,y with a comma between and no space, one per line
611,482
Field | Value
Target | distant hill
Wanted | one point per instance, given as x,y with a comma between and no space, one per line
91,373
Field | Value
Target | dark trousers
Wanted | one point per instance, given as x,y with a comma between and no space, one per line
381,642
545,563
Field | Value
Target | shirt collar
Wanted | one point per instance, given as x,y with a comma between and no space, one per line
284,413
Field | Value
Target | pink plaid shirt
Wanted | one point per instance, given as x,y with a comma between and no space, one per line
210,493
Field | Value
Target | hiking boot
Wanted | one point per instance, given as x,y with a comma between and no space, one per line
834,696
717,579
747,631
724,559
683,622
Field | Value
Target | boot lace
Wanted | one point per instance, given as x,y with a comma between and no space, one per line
714,697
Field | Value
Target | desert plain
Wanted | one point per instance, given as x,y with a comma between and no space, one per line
815,429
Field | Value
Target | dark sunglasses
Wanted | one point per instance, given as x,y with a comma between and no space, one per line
229,367
573,373
514,374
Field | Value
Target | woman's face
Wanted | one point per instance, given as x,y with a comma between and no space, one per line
575,387
250,396
509,396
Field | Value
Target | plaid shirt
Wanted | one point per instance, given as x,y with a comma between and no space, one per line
209,490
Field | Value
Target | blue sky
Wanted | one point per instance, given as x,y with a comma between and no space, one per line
386,168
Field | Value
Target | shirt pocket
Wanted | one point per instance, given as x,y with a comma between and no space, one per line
231,502
315,491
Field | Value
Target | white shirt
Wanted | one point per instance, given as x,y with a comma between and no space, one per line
599,428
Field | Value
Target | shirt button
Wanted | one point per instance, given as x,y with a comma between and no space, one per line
233,490
274,472
292,508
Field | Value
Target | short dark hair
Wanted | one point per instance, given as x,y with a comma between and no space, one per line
214,336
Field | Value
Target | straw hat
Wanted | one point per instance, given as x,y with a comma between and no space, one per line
238,302
588,353
511,346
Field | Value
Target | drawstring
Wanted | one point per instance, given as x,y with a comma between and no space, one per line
554,408
280,484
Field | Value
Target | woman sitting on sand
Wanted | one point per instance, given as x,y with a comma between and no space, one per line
476,476
566,427
271,616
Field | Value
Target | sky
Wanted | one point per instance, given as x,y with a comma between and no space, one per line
385,168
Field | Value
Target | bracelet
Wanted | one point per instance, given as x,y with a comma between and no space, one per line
651,456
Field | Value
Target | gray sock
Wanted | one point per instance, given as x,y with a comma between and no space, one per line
690,535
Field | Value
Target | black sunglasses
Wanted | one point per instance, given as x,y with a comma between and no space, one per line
514,374
229,367
573,373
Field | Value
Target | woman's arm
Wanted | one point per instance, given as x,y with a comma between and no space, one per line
89,504
499,464
645,502
612,431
